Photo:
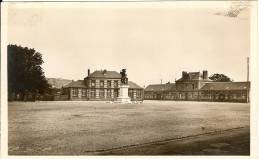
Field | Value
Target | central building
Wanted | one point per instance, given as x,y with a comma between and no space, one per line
101,85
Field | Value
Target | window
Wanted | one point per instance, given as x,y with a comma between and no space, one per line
92,93
109,93
131,93
180,95
101,93
93,83
83,92
108,84
101,84
115,94
115,84
244,95
138,93
74,92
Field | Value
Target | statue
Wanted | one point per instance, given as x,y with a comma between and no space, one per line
123,91
124,79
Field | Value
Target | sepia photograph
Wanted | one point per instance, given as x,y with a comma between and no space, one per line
130,78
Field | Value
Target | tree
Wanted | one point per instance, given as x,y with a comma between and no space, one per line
25,74
220,78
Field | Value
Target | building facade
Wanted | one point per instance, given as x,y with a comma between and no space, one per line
226,92
100,85
196,86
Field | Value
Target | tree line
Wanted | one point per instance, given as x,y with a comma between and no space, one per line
25,74
220,78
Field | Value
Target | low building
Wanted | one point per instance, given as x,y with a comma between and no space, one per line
196,86
100,85
225,91
159,91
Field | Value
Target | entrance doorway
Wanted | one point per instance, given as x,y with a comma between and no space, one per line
158,97
186,96
221,97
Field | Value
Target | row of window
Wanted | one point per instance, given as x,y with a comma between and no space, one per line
102,83
76,91
138,93
226,96
187,86
203,95
161,97
102,94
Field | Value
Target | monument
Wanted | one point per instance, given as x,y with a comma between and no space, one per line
123,89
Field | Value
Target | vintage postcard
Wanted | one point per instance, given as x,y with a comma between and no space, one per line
84,79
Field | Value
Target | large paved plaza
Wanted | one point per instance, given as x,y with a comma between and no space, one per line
83,128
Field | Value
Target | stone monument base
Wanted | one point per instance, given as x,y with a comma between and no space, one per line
123,100
123,94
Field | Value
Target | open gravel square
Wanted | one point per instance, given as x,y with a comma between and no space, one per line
92,128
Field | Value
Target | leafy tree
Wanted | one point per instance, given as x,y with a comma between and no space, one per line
25,74
220,78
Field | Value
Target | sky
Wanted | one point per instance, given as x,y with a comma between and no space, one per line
152,43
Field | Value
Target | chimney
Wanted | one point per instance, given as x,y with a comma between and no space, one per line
205,75
88,72
183,74
104,71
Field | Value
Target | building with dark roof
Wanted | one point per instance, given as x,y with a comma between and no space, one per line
226,91
196,86
100,85
159,91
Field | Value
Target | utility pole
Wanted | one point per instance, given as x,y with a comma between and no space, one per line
247,69
248,98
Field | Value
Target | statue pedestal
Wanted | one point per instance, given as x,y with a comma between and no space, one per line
123,94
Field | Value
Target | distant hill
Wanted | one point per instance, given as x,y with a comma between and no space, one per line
58,82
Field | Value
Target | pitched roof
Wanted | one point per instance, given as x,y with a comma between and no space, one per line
190,76
226,86
133,85
193,76
81,84
105,74
161,87
76,84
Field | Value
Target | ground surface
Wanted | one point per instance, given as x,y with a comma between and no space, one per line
154,127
